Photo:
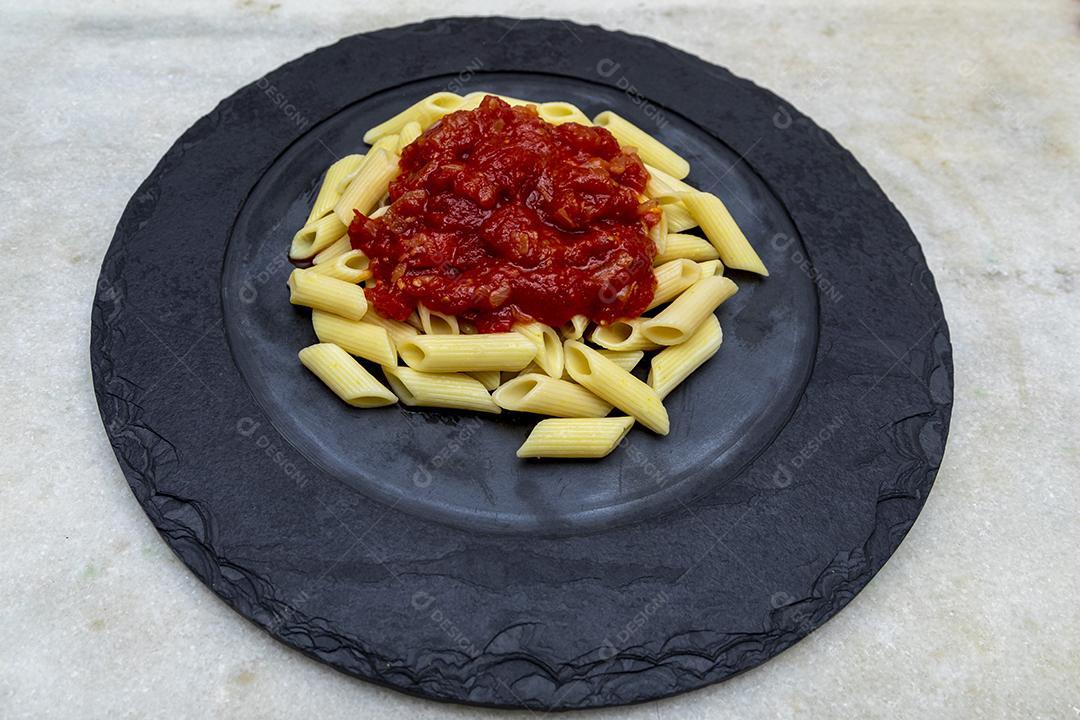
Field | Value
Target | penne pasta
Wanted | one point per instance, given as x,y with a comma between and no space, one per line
351,266
689,247
575,437
355,337
672,278
558,112
622,335
574,328
532,368
433,322
408,134
369,185
490,379
649,149
315,237
346,377
424,112
444,390
626,359
661,184
326,293
674,364
388,143
658,233
610,382
549,348
678,217
684,315
711,267
544,395
338,247
467,353
399,332
328,191
734,249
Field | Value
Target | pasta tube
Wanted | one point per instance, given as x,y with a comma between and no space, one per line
610,382
684,315
434,322
690,247
622,335
445,390
316,236
355,337
649,149
424,112
678,217
408,134
672,278
711,267
674,364
326,293
575,437
490,379
369,185
549,348
351,266
661,184
730,242
467,353
338,247
398,331
544,395
626,359
346,377
559,112
574,328
328,191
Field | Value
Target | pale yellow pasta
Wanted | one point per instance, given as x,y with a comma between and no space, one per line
661,184
610,382
574,328
674,364
678,217
730,242
398,331
626,359
328,191
424,112
658,233
356,337
690,247
544,395
467,353
558,112
350,266
433,322
473,100
408,134
369,185
326,293
339,247
711,267
444,390
490,379
649,149
388,143
575,437
684,315
622,335
315,237
672,278
346,377
530,369
549,348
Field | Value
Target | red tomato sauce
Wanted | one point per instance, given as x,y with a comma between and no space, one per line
499,217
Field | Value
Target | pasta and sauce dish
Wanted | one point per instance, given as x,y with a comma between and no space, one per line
489,253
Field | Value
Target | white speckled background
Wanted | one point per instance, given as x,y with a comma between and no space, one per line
965,112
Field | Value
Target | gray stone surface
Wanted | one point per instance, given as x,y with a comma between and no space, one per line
966,115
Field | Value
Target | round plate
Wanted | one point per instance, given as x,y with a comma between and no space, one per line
412,548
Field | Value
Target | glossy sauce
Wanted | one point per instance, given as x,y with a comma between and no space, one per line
499,217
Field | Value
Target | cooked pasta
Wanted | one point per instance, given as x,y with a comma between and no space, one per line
610,382
346,377
328,191
433,322
672,278
574,328
443,390
678,218
544,395
651,150
734,249
350,266
689,247
622,335
674,364
575,437
315,237
549,347
682,317
322,292
367,187
467,353
423,112
356,337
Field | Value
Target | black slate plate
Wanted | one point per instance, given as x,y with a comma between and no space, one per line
411,548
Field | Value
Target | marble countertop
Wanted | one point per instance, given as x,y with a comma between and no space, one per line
966,113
